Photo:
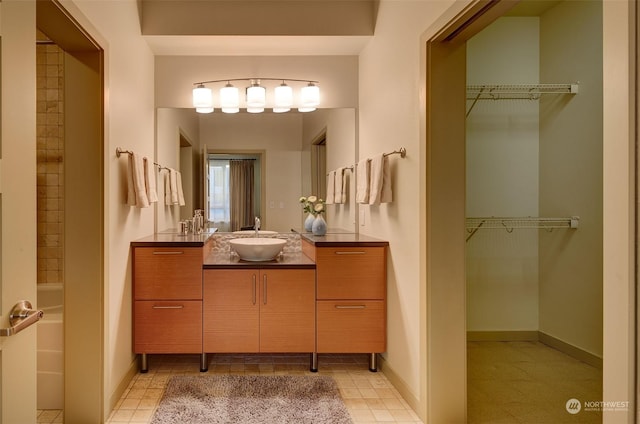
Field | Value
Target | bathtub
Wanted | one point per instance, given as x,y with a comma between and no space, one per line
50,357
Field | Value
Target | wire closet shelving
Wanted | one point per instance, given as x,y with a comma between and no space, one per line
473,224
476,92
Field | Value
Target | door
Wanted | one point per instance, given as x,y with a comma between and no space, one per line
17,206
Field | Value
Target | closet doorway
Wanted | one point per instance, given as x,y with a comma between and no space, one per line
534,215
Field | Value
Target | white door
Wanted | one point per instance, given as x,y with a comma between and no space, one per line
17,206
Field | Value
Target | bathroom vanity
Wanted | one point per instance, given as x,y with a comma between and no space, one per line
324,295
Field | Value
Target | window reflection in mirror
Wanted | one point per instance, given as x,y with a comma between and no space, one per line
234,191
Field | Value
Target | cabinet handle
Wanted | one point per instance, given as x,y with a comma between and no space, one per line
168,307
264,288
351,306
355,252
254,289
168,253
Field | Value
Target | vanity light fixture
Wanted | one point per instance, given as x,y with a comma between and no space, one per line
256,98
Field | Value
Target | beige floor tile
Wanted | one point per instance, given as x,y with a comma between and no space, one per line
369,397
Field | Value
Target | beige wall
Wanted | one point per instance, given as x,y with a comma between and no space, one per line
337,76
130,125
169,124
571,162
388,119
340,126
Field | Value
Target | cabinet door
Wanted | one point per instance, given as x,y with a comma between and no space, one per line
167,273
231,311
351,326
167,326
351,272
287,310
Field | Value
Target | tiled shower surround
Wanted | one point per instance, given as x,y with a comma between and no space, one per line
50,162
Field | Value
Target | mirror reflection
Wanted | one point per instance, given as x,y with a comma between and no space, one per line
276,159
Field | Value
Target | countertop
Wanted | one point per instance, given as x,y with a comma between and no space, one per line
173,239
343,240
217,260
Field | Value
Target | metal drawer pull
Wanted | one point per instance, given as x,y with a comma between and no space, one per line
254,289
168,253
351,306
264,288
21,317
168,307
357,252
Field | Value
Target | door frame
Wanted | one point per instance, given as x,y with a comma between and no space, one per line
84,221
443,341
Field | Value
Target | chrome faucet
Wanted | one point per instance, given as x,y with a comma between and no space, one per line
256,225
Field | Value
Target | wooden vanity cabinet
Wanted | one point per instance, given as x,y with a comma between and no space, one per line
351,298
167,292
259,310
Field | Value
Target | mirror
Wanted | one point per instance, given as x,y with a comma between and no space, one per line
288,142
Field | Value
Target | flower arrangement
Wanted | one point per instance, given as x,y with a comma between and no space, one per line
312,205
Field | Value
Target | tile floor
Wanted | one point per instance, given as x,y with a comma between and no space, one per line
508,382
369,396
528,382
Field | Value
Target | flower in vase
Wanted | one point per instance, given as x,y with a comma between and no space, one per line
312,205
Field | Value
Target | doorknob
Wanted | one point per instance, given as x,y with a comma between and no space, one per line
21,316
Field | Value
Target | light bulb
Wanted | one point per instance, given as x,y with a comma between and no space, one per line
229,99
310,96
202,97
283,98
256,95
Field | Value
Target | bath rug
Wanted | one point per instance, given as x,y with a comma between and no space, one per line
251,399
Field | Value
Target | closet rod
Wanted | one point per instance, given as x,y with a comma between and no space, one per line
473,224
120,151
477,92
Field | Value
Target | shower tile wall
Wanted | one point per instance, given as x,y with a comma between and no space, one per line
50,145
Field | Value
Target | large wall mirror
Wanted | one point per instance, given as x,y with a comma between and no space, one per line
290,155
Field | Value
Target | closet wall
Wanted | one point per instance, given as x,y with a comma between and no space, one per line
502,179
540,158
571,175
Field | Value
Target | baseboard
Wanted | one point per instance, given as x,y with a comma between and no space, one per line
571,350
503,336
400,386
536,336
124,383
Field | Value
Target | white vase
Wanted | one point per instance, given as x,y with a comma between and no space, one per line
308,223
319,227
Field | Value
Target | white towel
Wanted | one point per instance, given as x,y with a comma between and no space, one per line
340,194
167,189
362,181
179,188
331,179
173,186
150,180
380,177
136,190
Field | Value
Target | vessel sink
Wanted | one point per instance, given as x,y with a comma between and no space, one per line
252,232
257,249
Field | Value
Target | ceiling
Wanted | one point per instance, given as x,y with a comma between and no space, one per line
257,27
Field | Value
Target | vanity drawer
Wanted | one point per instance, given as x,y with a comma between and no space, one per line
167,326
351,326
351,272
167,273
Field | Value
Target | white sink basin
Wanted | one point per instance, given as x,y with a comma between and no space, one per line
257,249
252,232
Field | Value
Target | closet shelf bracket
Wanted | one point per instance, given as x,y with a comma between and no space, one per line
473,224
